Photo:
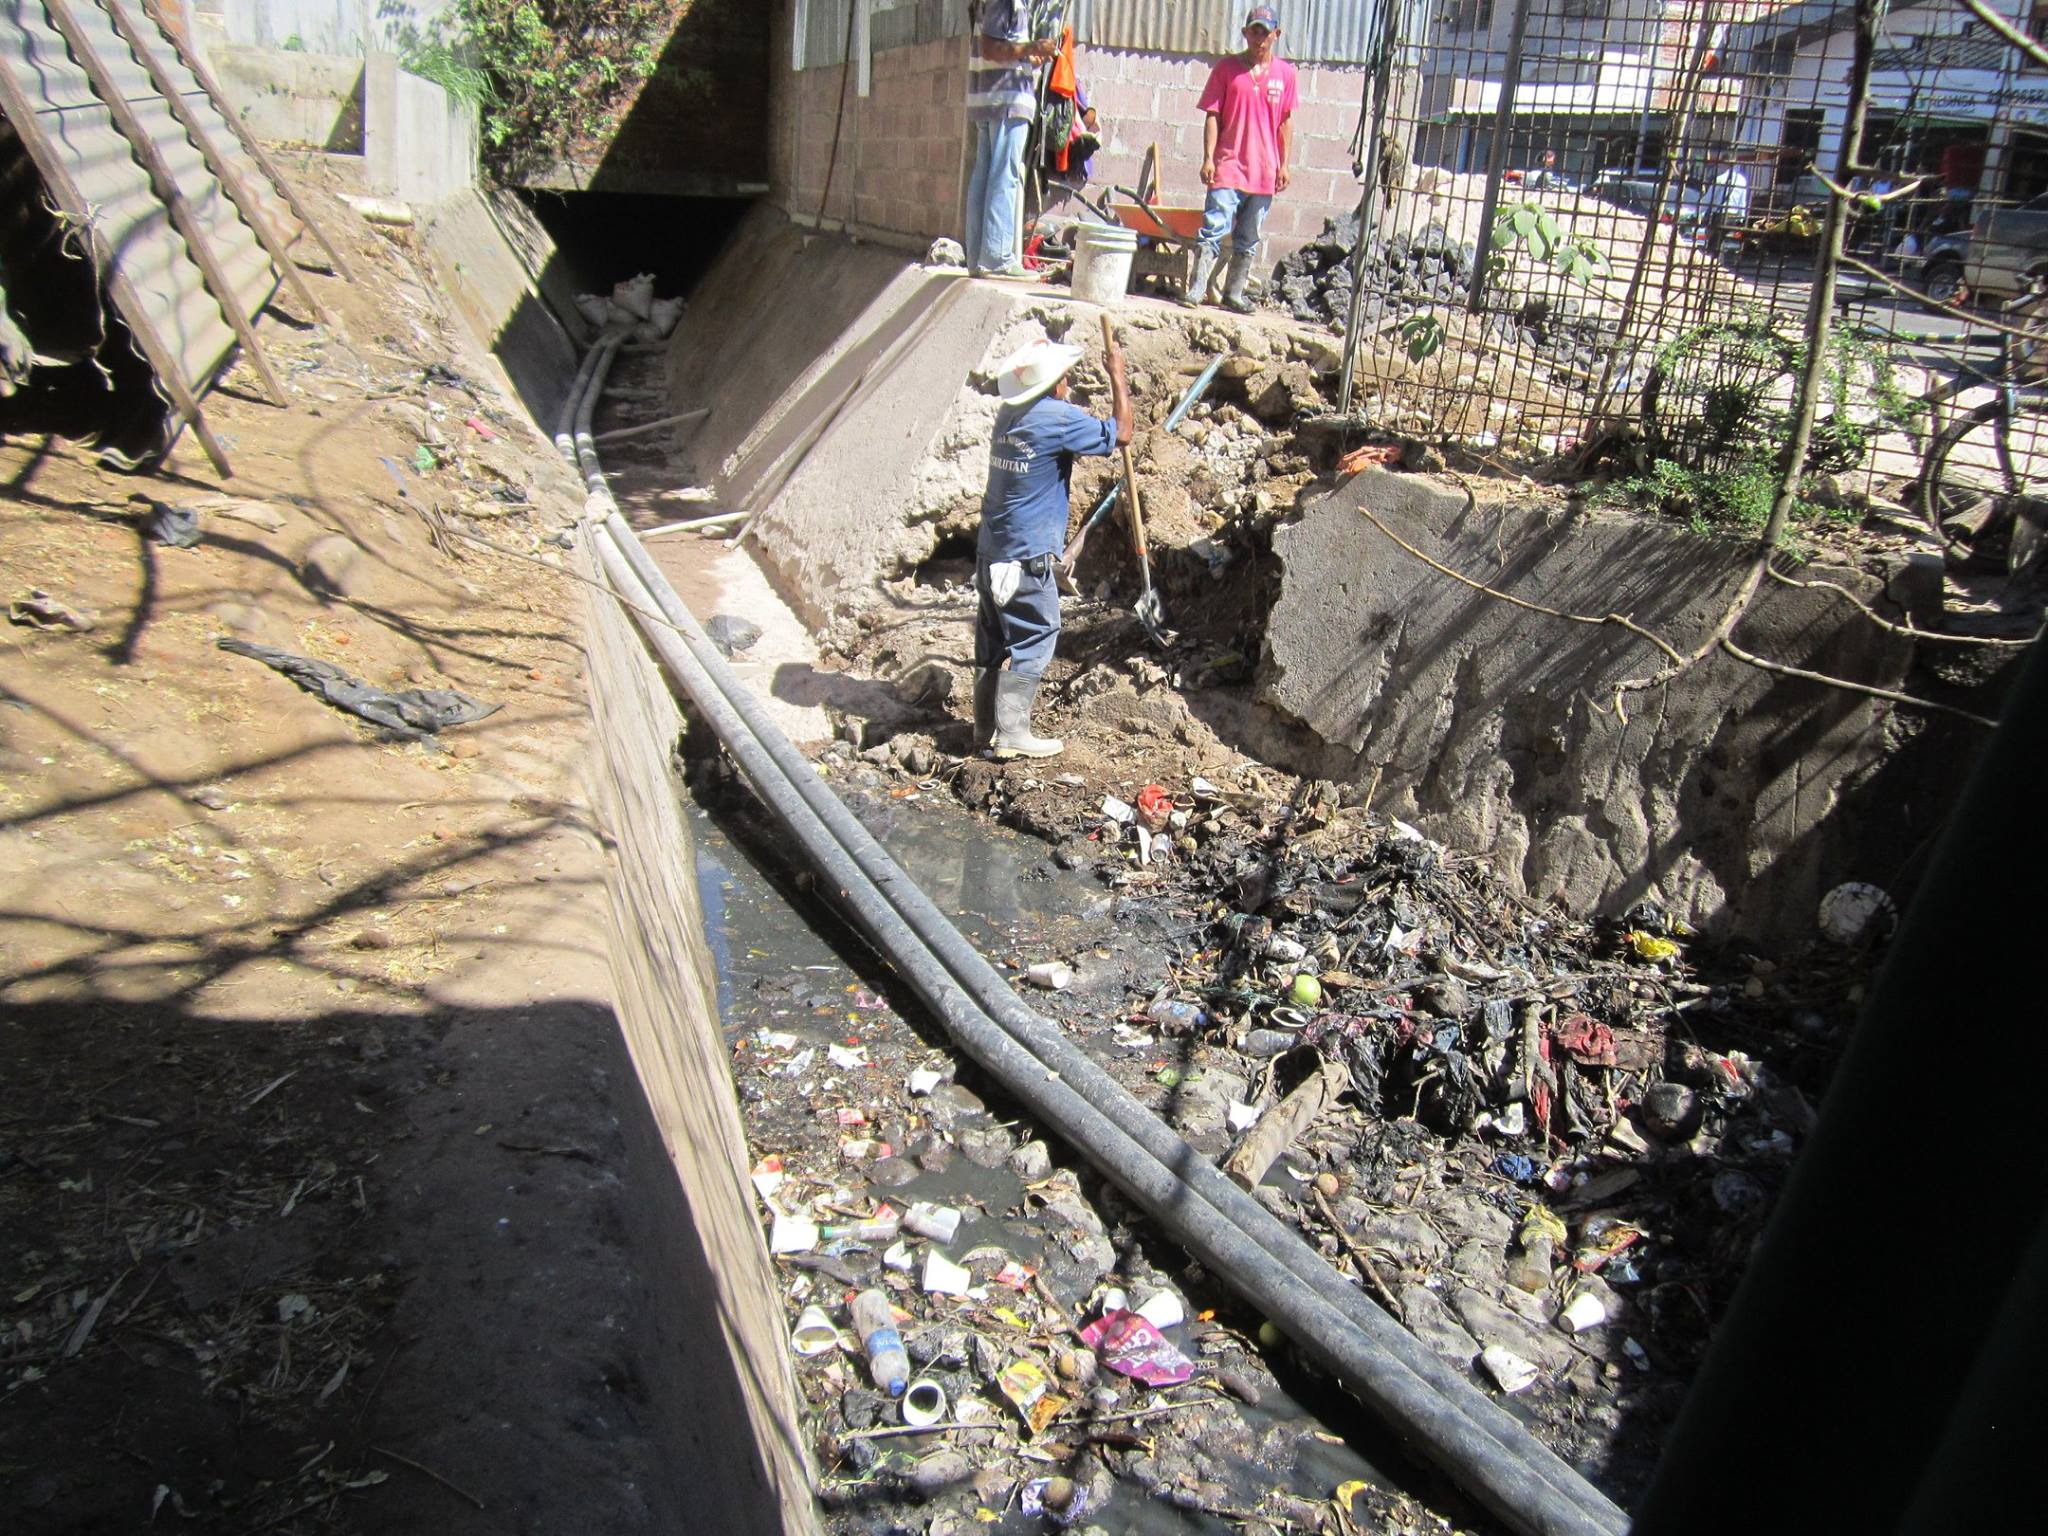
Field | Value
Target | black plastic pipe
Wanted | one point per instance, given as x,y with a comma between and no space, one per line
1038,1037
1095,1087
1507,1485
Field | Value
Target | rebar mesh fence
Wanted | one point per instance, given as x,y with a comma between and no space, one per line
1582,215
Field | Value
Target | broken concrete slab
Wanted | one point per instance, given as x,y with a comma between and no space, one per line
1495,728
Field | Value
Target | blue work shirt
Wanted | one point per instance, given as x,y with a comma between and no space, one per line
1024,510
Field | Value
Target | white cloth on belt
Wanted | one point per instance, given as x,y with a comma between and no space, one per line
1004,578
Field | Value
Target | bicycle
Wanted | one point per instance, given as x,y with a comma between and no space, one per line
1984,480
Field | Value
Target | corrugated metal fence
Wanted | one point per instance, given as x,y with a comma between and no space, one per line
1314,31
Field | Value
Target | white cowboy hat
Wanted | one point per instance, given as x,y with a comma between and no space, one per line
1029,372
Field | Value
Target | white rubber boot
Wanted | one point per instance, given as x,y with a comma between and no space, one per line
1014,695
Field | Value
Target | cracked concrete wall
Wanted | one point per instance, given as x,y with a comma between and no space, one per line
1726,794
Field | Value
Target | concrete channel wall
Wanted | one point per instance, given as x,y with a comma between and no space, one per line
1735,797
834,374
698,1228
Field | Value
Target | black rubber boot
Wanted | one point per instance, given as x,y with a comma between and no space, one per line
1234,282
984,708
1014,695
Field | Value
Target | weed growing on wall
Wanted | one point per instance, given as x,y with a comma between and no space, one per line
1718,408
555,73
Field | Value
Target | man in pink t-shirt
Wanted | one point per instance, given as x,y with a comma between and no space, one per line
1247,132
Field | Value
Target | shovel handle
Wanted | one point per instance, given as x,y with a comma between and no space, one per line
1130,480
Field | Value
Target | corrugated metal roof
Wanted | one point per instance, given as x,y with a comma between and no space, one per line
1311,31
134,233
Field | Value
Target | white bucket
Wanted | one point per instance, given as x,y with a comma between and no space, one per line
1102,262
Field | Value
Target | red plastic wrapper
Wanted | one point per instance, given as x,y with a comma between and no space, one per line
1155,807
1130,1345
1585,1040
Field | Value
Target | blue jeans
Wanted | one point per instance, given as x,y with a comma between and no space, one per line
1240,215
992,194
1025,630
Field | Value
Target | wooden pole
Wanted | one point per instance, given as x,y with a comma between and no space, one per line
20,111
226,170
182,215
191,60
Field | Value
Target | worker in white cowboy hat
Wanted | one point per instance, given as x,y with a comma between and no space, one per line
1038,434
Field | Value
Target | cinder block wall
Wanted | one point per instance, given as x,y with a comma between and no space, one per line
1148,98
902,169
901,172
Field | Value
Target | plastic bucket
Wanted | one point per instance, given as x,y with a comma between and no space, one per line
1102,262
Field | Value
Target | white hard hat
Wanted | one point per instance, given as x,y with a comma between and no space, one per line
1029,372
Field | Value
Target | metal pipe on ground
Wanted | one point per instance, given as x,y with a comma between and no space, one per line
1433,1427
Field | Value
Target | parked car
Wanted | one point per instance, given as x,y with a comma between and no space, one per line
1997,258
1636,190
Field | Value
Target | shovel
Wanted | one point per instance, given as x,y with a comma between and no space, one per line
1065,568
1151,613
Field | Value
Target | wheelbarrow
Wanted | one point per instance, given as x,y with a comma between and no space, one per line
1171,229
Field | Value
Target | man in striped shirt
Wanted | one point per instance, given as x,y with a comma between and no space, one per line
1014,39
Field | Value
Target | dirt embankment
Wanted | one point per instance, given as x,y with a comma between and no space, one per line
314,1131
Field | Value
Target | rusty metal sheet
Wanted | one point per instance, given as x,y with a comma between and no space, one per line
131,224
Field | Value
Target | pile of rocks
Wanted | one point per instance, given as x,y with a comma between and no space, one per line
1403,273
1406,274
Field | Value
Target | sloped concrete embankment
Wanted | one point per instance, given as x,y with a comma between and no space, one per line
834,376
1734,796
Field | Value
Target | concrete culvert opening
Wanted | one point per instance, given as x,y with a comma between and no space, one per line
603,238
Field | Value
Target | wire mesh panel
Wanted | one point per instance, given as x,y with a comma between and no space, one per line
1589,214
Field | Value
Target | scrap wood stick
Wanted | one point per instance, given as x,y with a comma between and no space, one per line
1358,1253
407,1461
1283,1125
620,434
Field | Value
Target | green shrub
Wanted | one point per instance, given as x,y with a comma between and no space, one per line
554,72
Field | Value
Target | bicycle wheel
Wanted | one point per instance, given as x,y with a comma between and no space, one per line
1985,490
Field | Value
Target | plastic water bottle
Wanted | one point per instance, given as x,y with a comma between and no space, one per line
876,1325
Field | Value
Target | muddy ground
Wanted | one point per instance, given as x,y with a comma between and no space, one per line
312,1137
